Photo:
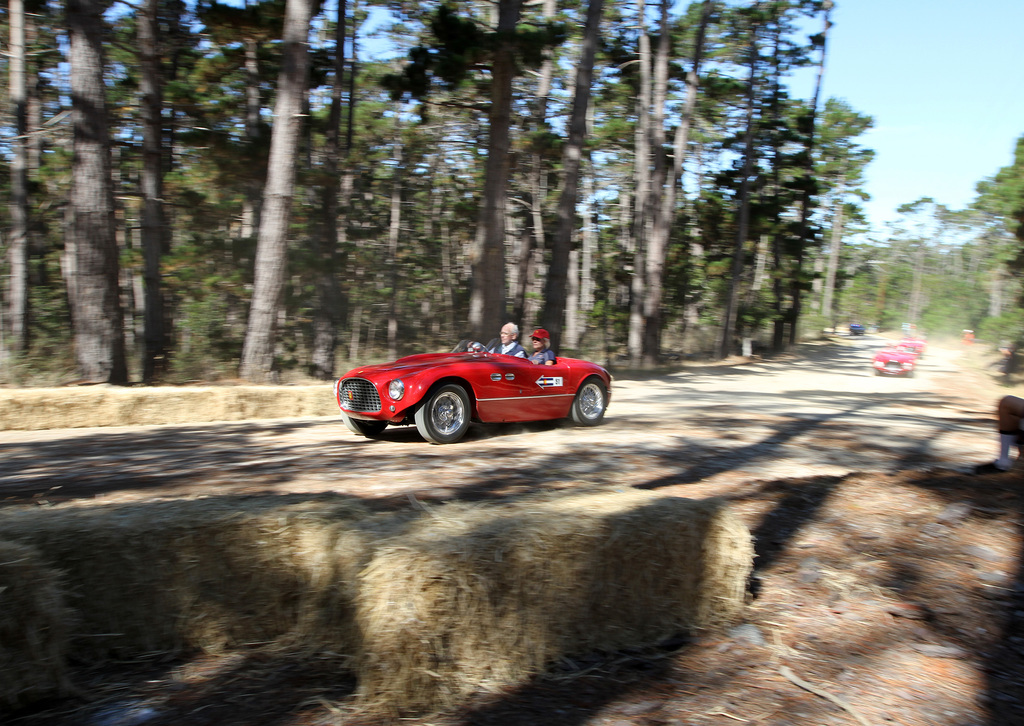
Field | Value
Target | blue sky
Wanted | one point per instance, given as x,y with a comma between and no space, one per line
944,81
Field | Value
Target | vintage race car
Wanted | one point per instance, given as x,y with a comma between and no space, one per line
856,329
913,344
441,393
895,361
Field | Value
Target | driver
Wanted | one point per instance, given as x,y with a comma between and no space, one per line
508,345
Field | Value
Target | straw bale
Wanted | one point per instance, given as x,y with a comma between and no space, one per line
209,574
33,627
94,406
478,597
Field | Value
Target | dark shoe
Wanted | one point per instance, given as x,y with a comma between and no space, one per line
989,468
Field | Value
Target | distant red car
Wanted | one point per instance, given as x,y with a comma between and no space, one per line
916,345
442,393
895,361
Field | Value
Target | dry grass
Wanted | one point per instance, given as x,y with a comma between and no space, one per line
482,596
431,606
56,408
208,574
33,626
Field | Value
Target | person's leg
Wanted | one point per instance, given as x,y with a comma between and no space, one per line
1010,413
1009,419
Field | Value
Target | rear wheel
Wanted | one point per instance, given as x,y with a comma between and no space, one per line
363,428
590,403
444,417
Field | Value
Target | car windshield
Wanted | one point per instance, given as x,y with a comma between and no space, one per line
468,345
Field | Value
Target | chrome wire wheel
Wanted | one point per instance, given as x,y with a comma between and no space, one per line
445,415
589,405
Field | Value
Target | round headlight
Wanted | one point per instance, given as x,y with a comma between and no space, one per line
396,389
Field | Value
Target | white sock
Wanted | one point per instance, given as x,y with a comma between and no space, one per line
1005,442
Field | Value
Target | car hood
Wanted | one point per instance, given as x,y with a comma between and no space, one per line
894,355
415,363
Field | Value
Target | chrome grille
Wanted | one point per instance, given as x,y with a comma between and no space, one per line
358,394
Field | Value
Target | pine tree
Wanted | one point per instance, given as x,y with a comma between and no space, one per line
257,364
93,271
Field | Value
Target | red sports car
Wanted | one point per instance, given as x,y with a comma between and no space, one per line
913,344
441,393
895,361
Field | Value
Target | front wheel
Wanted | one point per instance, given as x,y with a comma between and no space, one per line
444,417
364,428
590,403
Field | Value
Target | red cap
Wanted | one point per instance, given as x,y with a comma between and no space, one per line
540,333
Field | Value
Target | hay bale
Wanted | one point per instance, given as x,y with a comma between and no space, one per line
58,408
208,574
33,627
433,607
477,597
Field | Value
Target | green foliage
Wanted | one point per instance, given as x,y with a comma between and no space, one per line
459,46
207,347
1003,195
1002,329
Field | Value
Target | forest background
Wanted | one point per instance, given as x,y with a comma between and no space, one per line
209,192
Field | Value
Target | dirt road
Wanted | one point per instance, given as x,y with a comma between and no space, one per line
823,412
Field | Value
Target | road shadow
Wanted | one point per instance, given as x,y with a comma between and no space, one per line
988,498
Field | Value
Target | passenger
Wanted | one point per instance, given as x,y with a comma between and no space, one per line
508,343
542,353
1010,424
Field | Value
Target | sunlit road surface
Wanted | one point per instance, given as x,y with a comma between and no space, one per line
822,412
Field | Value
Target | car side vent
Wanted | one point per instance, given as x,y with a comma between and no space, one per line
358,394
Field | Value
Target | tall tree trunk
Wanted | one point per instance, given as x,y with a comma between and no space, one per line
916,302
352,282
153,227
661,230
589,236
94,292
394,231
38,273
18,244
835,244
327,313
732,298
554,296
527,236
642,166
996,291
805,204
572,305
250,205
533,237
257,363
657,240
487,310
353,68
778,281
34,102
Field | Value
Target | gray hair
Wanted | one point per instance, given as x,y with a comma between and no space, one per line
515,328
